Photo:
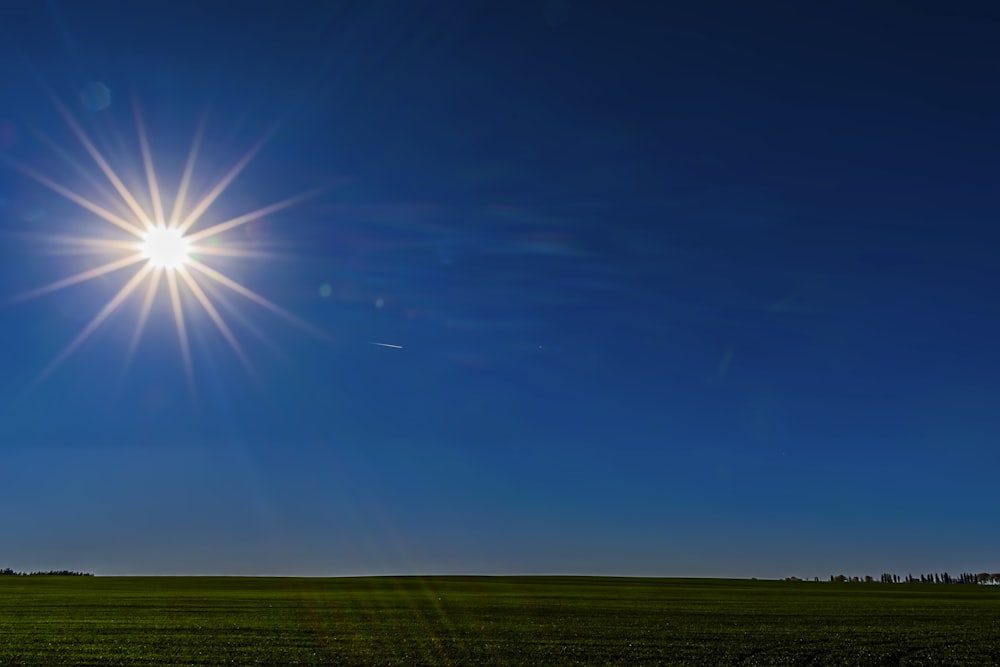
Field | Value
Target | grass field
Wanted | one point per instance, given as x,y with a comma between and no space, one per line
493,620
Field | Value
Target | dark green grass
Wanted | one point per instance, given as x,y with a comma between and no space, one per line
493,620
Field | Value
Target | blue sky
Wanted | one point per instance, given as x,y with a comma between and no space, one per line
694,291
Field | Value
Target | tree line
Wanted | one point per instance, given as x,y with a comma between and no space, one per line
943,578
7,572
933,578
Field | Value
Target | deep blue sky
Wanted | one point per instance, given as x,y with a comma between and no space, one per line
704,290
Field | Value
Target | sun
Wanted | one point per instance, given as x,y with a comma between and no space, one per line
165,248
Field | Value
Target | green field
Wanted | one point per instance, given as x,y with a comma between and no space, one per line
493,620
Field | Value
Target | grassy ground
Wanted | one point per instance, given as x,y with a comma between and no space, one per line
493,620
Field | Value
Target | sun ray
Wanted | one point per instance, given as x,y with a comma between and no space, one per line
78,199
100,186
179,201
256,298
105,168
147,161
252,215
83,276
147,305
219,188
108,308
70,244
233,313
175,302
199,294
77,251
231,252
89,242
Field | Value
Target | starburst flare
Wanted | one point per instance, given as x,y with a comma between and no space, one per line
163,247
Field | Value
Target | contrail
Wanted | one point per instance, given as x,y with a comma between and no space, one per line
395,347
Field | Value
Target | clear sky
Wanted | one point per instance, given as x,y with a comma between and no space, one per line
702,289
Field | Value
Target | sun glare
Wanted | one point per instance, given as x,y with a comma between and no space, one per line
166,256
165,247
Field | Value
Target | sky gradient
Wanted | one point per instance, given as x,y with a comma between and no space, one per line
681,291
